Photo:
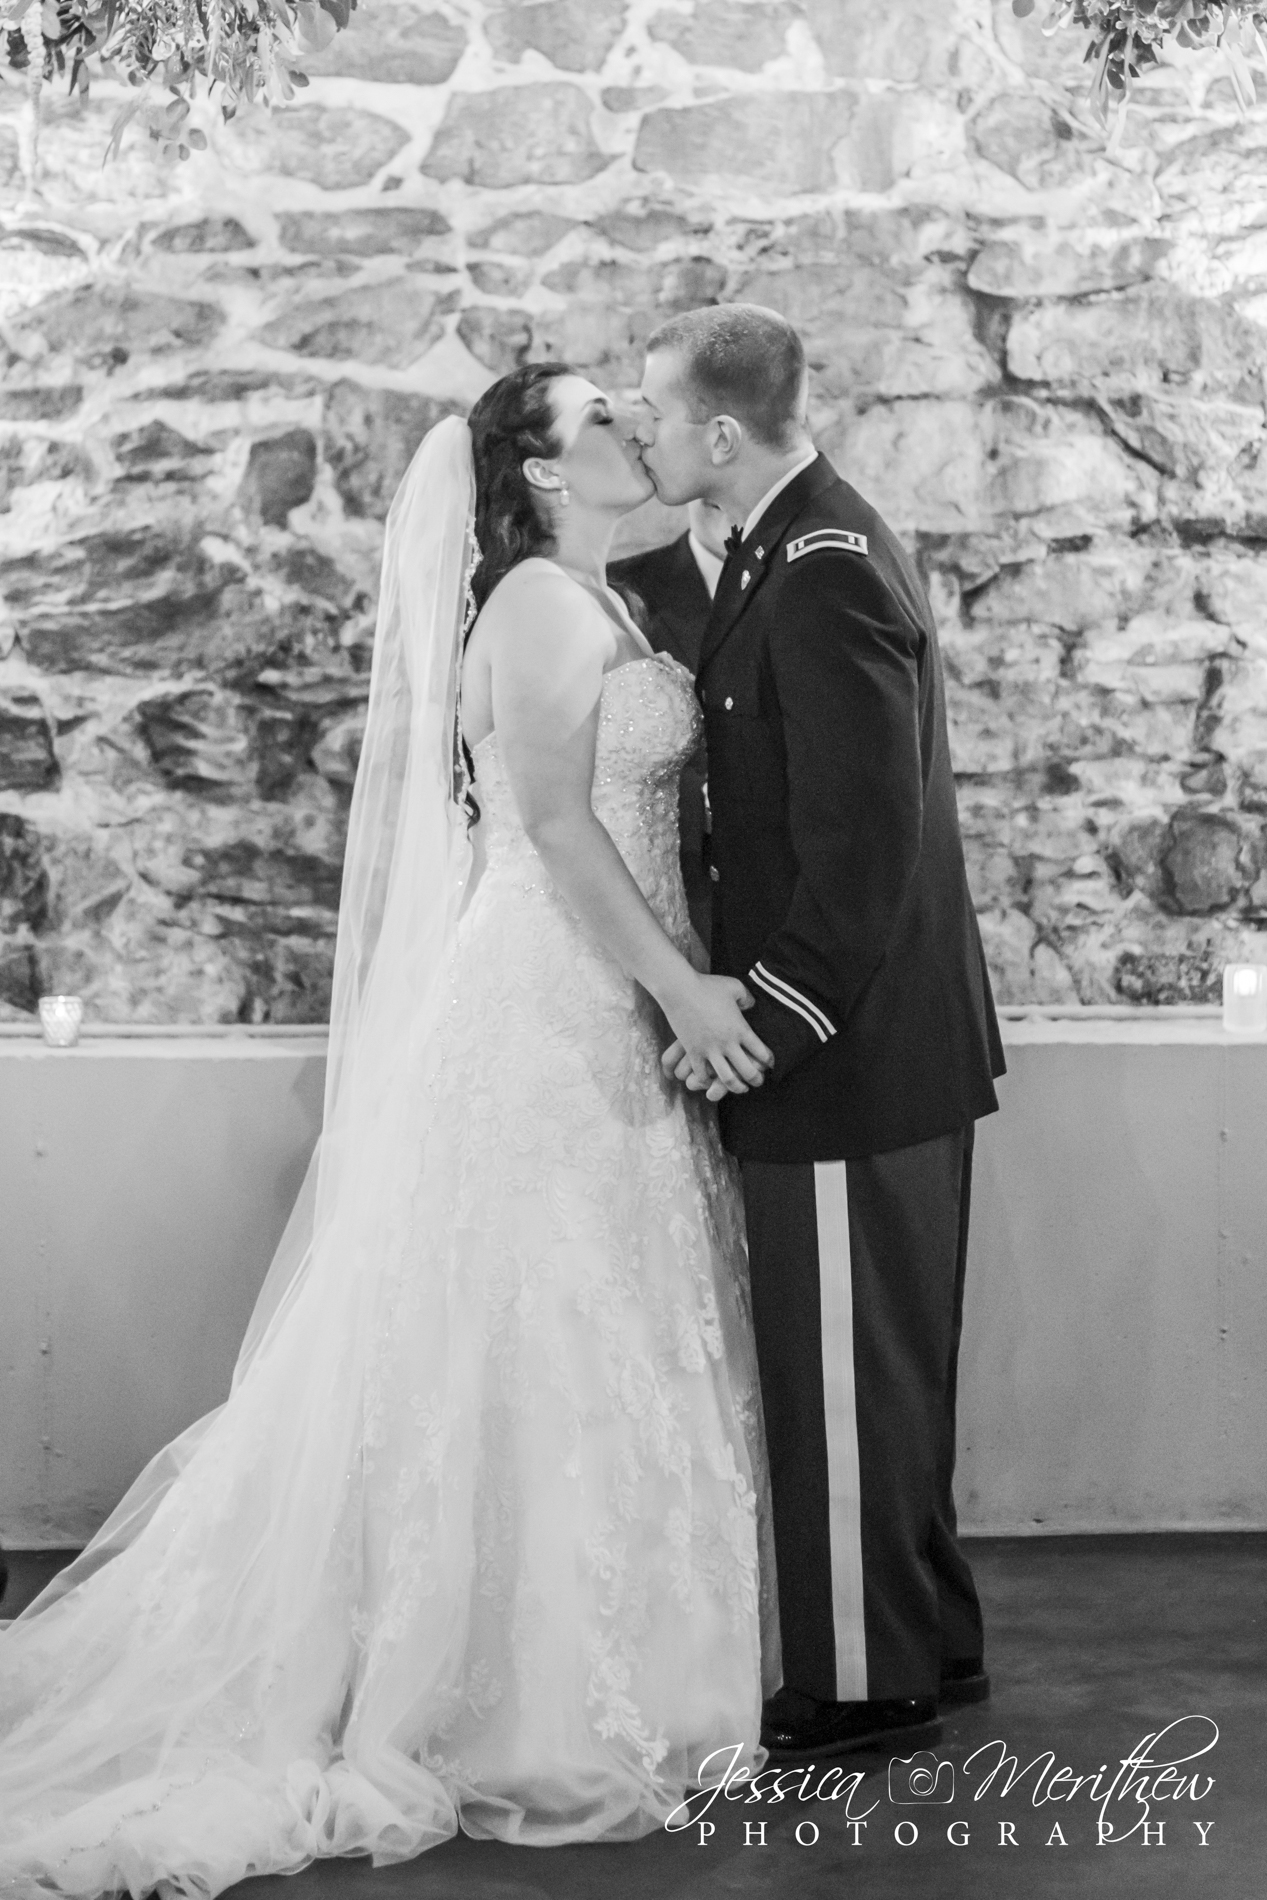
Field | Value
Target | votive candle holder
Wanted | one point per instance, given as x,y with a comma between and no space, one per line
60,1017
1245,998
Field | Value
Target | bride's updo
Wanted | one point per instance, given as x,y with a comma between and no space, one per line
512,420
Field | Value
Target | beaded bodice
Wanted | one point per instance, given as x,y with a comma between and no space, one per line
649,724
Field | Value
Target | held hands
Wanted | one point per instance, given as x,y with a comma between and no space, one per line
714,1050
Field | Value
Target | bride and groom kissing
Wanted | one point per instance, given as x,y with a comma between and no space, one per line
581,1430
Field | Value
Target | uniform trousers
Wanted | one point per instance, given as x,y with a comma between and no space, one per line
857,1274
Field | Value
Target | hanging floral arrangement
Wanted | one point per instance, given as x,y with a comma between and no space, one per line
1125,37
242,50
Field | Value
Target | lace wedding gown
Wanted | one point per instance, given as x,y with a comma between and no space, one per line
525,1598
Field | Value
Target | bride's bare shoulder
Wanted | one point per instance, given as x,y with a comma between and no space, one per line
535,575
537,654
536,605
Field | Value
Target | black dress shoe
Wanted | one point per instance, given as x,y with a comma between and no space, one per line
795,1725
964,1680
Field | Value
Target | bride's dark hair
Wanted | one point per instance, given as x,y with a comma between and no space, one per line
511,421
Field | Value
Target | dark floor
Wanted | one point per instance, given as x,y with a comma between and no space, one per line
1095,1644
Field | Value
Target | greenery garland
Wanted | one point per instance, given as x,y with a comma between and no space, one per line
243,50
246,50
1125,37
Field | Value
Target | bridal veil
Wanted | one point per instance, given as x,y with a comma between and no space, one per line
184,1672
474,1538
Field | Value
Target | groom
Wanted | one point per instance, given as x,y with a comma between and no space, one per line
840,898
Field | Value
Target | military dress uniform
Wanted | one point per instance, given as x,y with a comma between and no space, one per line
840,898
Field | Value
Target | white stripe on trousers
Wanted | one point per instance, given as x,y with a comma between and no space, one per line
835,1283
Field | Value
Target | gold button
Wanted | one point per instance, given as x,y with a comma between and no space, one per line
730,704
714,873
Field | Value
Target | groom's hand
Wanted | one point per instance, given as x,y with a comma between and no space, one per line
715,1051
677,1065
698,1081
708,1084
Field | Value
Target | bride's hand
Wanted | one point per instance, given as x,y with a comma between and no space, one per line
714,1049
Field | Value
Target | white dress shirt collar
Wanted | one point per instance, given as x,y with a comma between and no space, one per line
777,489
708,563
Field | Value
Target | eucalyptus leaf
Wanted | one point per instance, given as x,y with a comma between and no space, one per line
121,123
1125,37
314,28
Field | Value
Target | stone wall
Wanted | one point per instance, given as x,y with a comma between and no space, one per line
1042,360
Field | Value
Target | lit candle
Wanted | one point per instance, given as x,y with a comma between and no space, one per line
60,1017
1245,998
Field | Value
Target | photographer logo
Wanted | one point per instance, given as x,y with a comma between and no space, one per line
1152,1797
921,1780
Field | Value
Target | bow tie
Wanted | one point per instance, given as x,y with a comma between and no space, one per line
733,539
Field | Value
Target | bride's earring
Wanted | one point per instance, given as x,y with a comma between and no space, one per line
564,495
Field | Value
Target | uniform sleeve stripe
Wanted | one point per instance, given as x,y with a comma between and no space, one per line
839,538
787,1003
780,983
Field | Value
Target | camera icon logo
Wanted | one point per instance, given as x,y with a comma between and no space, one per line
921,1780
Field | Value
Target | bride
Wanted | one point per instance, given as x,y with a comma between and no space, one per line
474,1540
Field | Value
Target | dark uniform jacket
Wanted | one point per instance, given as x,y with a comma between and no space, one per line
840,893
668,583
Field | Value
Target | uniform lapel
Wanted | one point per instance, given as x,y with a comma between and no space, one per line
682,602
748,566
691,606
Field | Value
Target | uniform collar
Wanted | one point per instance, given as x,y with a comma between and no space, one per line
748,565
708,563
777,489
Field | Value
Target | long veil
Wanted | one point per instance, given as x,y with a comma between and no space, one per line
405,870
237,1555
473,1540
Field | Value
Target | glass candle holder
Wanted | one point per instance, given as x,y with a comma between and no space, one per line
60,1017
1245,998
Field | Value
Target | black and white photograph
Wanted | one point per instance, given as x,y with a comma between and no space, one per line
633,949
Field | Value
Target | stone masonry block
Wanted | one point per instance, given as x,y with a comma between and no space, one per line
1064,268
1154,334
729,33
369,437
500,339
524,233
106,324
281,473
779,141
391,323
574,35
517,135
28,757
335,147
398,41
921,42
362,233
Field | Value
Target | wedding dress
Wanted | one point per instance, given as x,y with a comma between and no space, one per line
479,1548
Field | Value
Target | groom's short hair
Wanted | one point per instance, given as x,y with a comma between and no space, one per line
740,360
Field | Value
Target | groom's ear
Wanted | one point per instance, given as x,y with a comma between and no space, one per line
725,439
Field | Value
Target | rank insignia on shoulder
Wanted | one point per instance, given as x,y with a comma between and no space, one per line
826,538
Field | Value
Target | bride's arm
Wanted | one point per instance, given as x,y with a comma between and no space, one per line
546,665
